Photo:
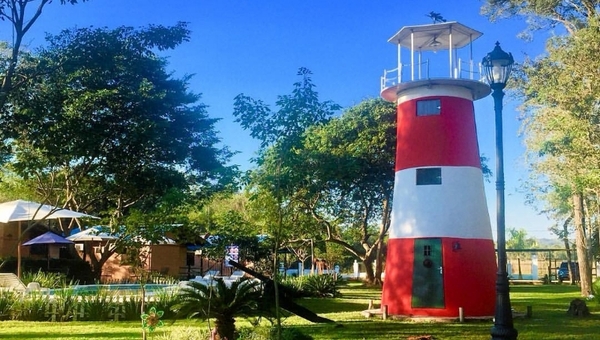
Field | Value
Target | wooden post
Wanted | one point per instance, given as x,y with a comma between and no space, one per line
385,312
461,314
370,305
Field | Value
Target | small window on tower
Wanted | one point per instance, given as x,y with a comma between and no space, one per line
428,107
427,250
429,176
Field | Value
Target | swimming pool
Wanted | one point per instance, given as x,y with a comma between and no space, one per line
117,289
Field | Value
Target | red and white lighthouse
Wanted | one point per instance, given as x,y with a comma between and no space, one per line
441,254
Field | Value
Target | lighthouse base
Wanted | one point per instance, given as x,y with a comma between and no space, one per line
437,277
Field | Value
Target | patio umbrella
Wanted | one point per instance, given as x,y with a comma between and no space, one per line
19,210
48,238
93,234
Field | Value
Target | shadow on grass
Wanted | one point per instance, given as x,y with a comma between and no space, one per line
101,335
386,330
544,289
332,305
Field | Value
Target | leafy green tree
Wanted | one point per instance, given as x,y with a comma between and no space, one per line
108,126
16,13
544,14
102,126
280,133
219,301
560,94
348,167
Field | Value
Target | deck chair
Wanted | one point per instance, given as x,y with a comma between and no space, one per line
10,281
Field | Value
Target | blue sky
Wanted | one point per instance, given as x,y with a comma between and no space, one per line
256,48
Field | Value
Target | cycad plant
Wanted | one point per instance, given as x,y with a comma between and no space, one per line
219,301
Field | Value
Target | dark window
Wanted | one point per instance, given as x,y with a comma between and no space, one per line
427,250
38,249
190,259
428,107
429,176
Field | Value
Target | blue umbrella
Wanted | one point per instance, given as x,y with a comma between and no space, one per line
48,238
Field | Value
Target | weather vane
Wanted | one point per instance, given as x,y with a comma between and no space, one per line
436,17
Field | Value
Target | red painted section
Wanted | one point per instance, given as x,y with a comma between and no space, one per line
469,276
447,139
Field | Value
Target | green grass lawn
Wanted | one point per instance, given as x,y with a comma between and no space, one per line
548,321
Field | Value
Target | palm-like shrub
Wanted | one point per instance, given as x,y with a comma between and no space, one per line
220,302
321,286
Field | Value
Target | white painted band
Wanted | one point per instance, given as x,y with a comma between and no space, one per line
436,91
456,208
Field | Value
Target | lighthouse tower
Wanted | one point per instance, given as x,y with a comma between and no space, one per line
440,256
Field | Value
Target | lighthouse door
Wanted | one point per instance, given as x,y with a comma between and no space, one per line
428,283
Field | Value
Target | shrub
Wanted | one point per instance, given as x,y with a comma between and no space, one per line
7,299
45,279
30,308
322,286
131,308
596,290
220,301
65,302
98,306
256,333
165,299
295,286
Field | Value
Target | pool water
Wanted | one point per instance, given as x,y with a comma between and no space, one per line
121,289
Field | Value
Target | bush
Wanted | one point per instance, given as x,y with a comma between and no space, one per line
31,308
322,286
257,333
45,279
165,299
98,306
65,302
295,286
596,290
132,308
7,299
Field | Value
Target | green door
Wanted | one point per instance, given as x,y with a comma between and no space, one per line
428,280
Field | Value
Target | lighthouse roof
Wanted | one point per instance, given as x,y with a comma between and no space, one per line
435,37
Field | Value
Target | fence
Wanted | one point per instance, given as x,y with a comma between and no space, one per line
534,264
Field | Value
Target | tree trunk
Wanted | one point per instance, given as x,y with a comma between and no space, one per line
369,273
225,327
565,238
378,264
585,271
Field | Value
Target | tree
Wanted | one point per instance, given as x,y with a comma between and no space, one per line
280,133
218,301
518,240
101,126
15,11
355,201
543,14
560,93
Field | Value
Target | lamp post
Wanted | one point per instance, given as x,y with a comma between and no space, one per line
497,66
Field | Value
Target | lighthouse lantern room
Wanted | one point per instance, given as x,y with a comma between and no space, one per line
440,256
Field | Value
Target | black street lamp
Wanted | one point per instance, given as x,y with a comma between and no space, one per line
497,66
